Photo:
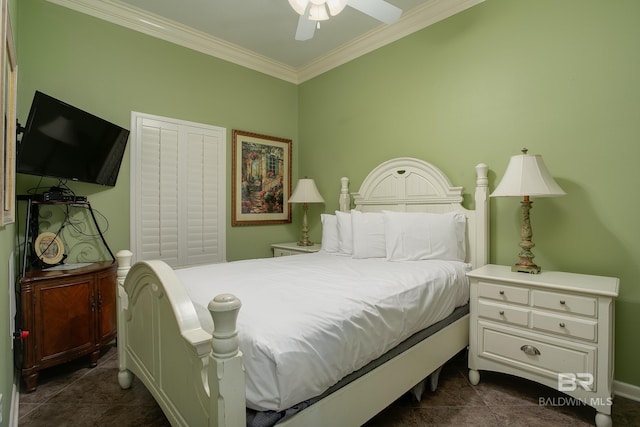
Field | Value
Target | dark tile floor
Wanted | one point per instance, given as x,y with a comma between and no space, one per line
73,395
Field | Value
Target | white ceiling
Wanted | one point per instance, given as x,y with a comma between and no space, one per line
259,34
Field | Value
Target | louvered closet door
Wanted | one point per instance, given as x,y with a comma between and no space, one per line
178,191
203,240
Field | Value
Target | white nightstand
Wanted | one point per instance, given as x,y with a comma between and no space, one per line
553,328
286,249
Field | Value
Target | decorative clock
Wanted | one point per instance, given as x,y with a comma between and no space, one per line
49,248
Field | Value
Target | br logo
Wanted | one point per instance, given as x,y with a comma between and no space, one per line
570,381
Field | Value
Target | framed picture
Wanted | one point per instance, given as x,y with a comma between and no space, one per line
261,179
8,90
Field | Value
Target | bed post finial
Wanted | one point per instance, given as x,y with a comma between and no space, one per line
482,171
224,309
345,198
225,369
124,264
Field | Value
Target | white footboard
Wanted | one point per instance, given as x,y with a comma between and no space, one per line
197,380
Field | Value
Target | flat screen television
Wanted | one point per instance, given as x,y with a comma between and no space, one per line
62,141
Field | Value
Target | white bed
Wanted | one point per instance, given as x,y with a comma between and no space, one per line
165,339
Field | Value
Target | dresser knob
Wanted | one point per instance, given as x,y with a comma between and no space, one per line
562,302
501,292
530,350
501,312
562,324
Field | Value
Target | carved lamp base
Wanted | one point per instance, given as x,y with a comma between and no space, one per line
532,269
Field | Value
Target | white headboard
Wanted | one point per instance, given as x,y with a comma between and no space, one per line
413,185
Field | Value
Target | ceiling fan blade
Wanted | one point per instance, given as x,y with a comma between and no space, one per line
306,27
378,9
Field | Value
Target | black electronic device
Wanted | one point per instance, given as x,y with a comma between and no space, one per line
53,196
62,141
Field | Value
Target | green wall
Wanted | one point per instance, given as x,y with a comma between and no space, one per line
559,77
556,76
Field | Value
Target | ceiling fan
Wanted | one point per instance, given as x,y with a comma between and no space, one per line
313,11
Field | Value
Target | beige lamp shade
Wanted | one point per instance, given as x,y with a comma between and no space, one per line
306,192
527,175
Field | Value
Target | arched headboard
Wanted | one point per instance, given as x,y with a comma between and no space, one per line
413,185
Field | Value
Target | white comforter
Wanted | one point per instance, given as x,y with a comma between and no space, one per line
307,321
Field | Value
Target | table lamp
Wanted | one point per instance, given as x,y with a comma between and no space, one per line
527,176
306,192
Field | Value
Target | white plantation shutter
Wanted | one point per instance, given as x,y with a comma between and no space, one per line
177,191
203,197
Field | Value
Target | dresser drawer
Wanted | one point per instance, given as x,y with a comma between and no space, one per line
567,303
503,313
546,358
503,293
562,325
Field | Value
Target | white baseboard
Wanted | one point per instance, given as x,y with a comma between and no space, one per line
629,391
15,405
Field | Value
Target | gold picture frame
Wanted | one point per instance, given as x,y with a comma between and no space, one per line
8,94
261,179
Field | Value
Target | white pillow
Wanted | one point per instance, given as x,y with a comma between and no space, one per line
414,236
345,236
329,233
368,234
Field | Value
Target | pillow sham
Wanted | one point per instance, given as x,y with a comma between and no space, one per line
345,235
368,234
412,236
329,233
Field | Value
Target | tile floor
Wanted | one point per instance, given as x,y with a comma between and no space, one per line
73,395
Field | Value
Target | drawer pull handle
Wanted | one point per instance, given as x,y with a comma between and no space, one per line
530,350
501,292
562,302
562,324
501,312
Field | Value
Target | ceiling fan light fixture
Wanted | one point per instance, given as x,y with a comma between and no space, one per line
300,6
313,11
318,12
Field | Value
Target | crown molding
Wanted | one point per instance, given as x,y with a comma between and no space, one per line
421,17
156,26
138,20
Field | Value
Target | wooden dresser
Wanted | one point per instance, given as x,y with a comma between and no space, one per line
68,314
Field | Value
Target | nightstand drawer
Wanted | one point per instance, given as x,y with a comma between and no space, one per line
536,355
503,313
288,249
566,303
282,252
503,293
563,325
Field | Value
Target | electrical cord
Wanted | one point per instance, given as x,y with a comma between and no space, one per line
72,222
